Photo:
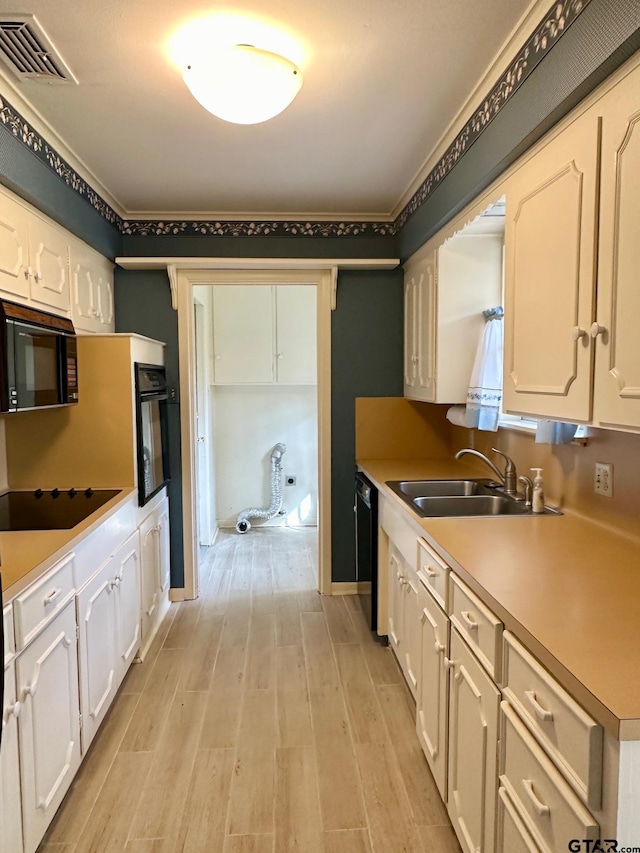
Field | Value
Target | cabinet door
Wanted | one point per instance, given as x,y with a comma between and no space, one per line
617,378
47,678
10,807
164,554
104,292
549,285
95,605
432,703
243,334
396,603
473,739
411,632
14,248
150,583
84,308
296,335
420,331
49,259
126,568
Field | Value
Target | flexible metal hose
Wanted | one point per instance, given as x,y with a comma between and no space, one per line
243,525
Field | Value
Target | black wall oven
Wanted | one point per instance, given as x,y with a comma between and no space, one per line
38,359
151,430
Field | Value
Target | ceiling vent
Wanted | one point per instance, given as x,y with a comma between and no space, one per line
28,51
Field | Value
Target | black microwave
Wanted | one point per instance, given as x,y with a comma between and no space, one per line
38,359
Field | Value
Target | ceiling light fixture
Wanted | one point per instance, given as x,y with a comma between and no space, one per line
243,84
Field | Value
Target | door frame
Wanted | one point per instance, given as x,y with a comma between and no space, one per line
185,280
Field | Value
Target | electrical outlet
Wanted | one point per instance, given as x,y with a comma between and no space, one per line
603,481
290,480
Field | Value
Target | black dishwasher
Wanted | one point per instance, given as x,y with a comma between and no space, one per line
366,529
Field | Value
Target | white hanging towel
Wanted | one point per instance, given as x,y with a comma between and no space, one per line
484,397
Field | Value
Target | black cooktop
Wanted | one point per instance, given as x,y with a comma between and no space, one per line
50,510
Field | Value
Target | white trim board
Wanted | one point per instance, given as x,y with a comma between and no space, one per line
184,282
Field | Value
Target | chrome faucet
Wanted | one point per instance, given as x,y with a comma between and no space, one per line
509,478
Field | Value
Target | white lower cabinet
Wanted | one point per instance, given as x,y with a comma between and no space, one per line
97,650
108,609
432,701
512,836
473,742
544,802
154,571
404,616
47,679
10,810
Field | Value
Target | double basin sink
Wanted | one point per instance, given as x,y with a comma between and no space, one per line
459,498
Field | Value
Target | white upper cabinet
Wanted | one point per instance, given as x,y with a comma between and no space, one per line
243,335
296,334
447,287
419,323
617,348
49,264
14,248
91,289
550,275
264,334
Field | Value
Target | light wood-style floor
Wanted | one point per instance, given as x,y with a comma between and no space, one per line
264,720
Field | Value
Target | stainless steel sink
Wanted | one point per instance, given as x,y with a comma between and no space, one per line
470,505
440,488
459,498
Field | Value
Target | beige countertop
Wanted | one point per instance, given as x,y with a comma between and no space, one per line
568,587
25,554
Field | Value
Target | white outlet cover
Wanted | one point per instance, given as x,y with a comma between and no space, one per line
603,479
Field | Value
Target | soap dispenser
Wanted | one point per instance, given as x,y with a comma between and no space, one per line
537,501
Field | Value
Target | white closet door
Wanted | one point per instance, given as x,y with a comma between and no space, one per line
296,335
243,335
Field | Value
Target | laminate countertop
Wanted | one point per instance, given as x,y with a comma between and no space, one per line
568,588
26,554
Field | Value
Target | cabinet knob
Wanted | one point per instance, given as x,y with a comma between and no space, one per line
597,329
438,647
449,664
38,275
13,710
30,690
279,356
578,333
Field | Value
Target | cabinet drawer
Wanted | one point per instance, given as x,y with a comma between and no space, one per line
7,626
564,729
433,574
38,604
478,625
512,835
541,796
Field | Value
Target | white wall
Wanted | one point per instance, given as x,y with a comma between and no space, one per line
247,421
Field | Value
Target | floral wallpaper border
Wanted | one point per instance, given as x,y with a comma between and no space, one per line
559,18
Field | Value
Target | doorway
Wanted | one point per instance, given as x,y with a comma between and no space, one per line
197,291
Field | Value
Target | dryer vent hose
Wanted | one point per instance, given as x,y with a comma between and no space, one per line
243,525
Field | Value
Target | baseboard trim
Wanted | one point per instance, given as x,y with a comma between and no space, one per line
344,588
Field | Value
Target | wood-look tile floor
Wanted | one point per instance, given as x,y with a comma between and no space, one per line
265,719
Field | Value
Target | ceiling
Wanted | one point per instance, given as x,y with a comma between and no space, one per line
383,81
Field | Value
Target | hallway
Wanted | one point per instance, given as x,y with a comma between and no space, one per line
265,719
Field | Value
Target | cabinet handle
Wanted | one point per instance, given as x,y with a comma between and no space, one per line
430,572
67,642
449,664
438,647
49,599
279,356
466,617
578,333
597,329
541,712
539,806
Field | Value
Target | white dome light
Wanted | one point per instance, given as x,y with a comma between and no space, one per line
243,84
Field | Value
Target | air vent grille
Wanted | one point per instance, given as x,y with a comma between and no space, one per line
26,49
